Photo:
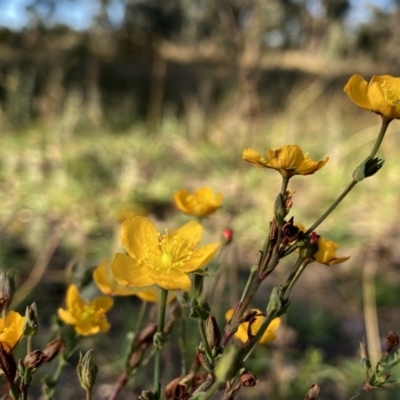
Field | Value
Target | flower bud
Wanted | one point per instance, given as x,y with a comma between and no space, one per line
227,236
364,356
52,349
310,248
392,340
290,232
34,359
213,332
202,357
87,370
31,323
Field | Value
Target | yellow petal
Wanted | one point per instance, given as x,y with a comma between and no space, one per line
136,234
270,334
200,257
128,272
309,166
66,316
191,232
172,280
103,303
255,158
180,199
74,300
357,89
326,253
287,157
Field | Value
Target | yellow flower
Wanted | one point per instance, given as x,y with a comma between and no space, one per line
289,160
381,94
269,334
105,281
164,260
200,203
88,318
11,330
326,253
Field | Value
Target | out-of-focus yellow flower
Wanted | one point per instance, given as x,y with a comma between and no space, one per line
326,253
381,94
11,330
200,203
87,317
269,334
289,160
130,211
105,281
164,260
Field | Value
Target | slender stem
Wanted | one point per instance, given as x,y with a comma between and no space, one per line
13,391
296,276
292,274
212,389
162,305
28,344
332,207
182,343
140,318
205,342
246,289
88,394
381,135
378,142
258,335
284,185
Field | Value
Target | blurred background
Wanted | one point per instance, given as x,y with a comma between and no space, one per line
107,107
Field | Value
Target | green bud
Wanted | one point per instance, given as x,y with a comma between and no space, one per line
365,362
229,364
369,167
87,370
213,332
31,324
275,303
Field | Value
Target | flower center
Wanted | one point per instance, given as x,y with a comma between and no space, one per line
87,313
391,96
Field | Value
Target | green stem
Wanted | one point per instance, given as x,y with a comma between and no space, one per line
332,207
284,185
296,276
205,342
162,305
246,289
292,274
13,391
381,135
213,388
140,318
378,142
182,342
258,335
28,344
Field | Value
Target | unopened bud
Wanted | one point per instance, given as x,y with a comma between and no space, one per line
227,236
228,364
213,332
34,359
87,370
7,289
31,323
392,340
369,167
52,349
202,357
313,392
146,334
275,302
7,364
